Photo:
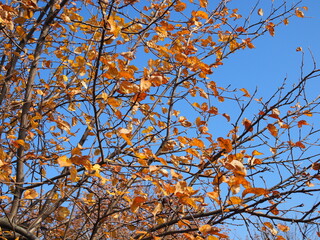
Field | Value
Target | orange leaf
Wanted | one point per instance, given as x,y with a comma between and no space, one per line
246,93
235,200
205,229
274,210
30,194
240,29
255,152
180,6
225,144
273,130
270,28
300,144
203,3
136,203
193,152
226,116
200,14
256,191
301,123
196,142
283,228
299,13
280,238
307,113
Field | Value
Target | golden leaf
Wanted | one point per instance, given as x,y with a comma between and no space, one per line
246,93
30,194
180,6
62,213
196,142
235,200
205,229
64,161
200,14
255,152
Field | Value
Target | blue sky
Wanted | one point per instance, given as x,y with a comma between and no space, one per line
274,58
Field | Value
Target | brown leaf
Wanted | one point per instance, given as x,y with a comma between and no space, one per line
301,123
247,124
260,12
273,130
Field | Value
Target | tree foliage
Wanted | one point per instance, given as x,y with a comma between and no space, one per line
112,126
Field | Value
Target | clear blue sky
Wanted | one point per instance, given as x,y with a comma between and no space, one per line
274,57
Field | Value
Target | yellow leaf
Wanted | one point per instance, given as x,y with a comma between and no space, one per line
65,78
148,129
189,201
30,194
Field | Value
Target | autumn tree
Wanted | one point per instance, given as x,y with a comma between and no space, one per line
109,117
